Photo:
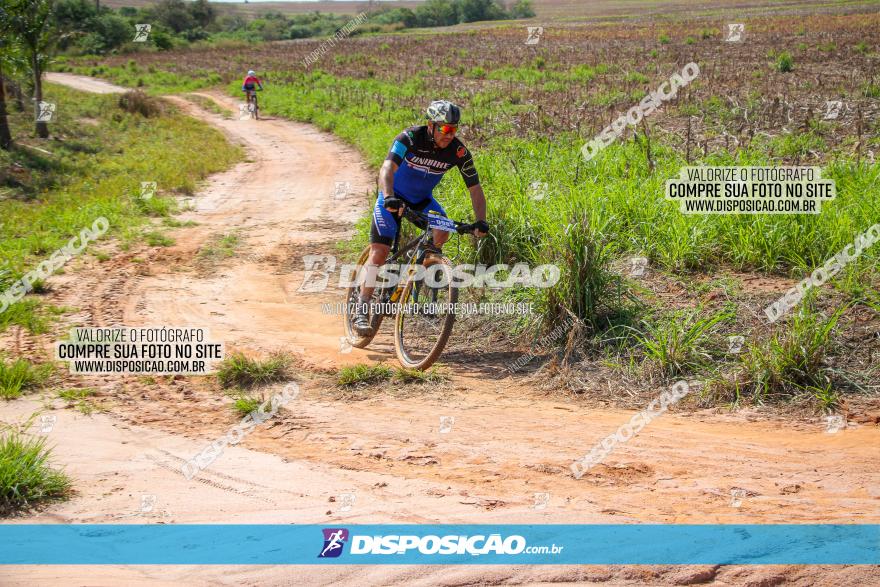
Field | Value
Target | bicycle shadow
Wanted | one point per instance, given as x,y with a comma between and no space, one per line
494,364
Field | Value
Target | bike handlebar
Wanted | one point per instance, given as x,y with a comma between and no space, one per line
460,227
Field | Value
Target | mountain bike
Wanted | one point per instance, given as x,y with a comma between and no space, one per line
252,105
423,305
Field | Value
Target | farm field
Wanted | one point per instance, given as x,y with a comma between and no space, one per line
780,419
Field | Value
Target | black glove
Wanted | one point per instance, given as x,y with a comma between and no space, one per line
393,203
481,225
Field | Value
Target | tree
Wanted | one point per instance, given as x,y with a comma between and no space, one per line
5,135
436,13
73,16
404,15
107,32
202,13
474,10
522,9
30,24
174,14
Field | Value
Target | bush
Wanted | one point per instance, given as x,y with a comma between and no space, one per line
784,62
474,10
403,15
300,32
137,102
522,9
436,13
162,40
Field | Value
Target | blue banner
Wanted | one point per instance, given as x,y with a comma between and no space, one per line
643,544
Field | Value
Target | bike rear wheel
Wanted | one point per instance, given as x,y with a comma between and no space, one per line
425,317
352,296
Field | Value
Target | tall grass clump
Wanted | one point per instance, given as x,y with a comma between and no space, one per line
238,370
21,375
589,288
679,343
137,102
790,363
26,478
361,374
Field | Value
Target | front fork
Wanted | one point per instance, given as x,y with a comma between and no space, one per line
411,268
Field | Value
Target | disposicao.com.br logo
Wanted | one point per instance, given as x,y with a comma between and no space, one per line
476,545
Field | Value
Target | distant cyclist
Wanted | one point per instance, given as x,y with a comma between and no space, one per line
251,81
249,86
414,166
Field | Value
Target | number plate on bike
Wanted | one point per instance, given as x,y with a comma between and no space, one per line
441,223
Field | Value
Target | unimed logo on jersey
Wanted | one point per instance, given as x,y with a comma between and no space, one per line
334,540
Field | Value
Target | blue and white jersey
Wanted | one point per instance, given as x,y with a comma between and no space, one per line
422,164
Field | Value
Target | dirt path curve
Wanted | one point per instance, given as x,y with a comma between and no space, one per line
506,444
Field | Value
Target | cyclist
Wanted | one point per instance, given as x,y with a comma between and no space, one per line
418,158
251,81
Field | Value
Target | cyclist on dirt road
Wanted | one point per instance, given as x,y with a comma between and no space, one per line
250,83
415,164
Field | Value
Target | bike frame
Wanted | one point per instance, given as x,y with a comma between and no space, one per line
251,98
416,243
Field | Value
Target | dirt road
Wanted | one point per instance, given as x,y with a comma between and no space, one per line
506,444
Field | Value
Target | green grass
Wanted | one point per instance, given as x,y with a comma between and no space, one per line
208,104
31,315
363,374
784,62
369,374
26,478
432,375
96,171
244,404
221,246
240,371
791,363
80,399
679,343
175,223
21,376
157,239
153,81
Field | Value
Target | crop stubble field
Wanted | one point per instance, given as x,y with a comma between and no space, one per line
530,108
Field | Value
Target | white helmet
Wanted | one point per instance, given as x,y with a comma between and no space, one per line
443,111
252,72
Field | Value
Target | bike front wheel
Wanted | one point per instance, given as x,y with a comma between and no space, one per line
425,317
